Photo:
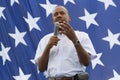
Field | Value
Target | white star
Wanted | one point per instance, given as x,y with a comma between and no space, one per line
89,18
107,3
112,38
1,12
116,76
32,22
18,36
4,53
49,7
13,1
35,60
22,76
97,60
65,1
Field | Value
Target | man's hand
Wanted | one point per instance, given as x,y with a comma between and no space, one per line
53,41
68,31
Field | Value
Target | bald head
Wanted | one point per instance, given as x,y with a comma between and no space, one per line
60,13
60,7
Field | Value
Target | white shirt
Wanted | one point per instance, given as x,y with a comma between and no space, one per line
63,58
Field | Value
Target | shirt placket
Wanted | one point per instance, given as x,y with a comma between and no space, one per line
60,51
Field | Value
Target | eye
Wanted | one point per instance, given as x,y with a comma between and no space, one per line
62,13
55,14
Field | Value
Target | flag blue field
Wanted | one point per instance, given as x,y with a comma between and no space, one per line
24,22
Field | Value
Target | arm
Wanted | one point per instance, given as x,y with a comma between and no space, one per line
43,61
84,56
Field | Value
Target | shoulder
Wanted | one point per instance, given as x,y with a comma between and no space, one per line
81,33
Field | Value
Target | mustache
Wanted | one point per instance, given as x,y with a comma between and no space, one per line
60,19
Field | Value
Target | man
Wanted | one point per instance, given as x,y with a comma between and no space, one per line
67,54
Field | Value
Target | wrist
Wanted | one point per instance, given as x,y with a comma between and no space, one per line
77,42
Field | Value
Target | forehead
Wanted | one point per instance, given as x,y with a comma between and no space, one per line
59,9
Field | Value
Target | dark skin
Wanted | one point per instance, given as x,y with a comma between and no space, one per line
61,15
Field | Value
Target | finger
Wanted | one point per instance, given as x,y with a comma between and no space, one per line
55,44
64,32
54,36
66,23
65,26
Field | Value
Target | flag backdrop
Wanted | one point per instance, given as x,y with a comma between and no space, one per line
24,22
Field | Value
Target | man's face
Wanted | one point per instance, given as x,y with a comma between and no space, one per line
60,14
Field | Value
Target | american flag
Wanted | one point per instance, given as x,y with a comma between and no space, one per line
24,22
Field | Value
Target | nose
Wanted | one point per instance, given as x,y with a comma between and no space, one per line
59,15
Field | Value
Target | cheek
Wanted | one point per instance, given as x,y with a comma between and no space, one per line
67,19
